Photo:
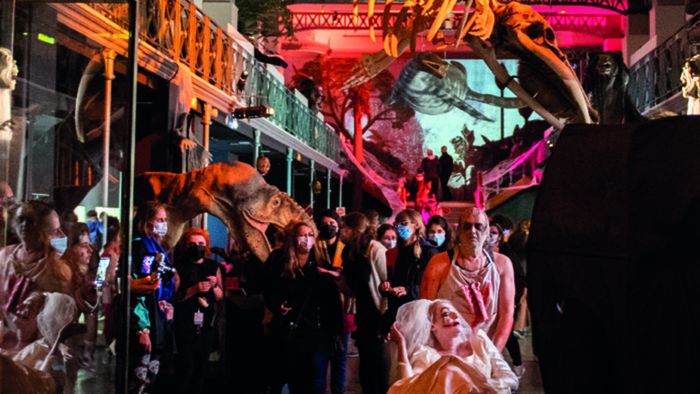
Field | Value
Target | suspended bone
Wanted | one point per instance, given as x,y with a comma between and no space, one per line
513,25
432,86
489,55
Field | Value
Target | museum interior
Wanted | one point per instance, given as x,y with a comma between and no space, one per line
349,196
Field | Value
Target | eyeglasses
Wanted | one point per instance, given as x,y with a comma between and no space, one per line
478,226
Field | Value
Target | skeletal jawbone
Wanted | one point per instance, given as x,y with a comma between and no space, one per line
529,35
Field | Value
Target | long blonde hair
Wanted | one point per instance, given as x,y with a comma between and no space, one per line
293,265
414,217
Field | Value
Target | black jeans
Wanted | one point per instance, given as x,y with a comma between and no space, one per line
514,349
192,360
374,364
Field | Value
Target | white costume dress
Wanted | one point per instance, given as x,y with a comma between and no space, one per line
484,371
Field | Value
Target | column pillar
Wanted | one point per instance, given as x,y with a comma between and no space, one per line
206,124
290,163
312,174
108,55
340,189
257,147
329,179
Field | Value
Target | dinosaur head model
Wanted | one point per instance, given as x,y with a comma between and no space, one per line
235,193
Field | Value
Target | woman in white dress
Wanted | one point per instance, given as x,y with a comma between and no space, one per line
439,353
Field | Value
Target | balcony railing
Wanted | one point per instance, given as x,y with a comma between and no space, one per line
656,77
291,114
184,33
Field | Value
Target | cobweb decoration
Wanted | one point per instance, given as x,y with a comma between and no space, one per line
386,187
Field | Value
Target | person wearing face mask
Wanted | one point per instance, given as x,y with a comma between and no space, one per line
307,322
84,291
33,264
478,282
331,247
439,233
405,263
77,257
329,243
151,293
364,268
197,289
386,235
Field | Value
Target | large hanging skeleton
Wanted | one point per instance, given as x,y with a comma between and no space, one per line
433,86
544,71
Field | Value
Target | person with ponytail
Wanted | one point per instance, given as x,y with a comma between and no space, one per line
197,289
307,321
364,269
405,263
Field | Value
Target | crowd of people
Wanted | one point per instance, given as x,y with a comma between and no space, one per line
429,186
422,287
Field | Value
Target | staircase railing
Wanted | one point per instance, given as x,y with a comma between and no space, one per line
656,77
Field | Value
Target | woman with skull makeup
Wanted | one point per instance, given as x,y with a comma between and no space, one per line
152,286
197,289
438,352
307,320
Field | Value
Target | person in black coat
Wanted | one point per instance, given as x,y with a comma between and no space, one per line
431,168
307,320
405,264
198,286
446,168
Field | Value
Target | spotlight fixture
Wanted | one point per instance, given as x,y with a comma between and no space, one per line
232,122
259,111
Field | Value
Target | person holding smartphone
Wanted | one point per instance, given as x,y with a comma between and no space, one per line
151,293
197,289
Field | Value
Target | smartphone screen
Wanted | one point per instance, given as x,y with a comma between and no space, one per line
102,271
147,264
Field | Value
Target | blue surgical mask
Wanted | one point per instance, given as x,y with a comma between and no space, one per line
438,238
60,244
404,232
392,244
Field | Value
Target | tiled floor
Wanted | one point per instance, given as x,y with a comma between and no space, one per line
101,381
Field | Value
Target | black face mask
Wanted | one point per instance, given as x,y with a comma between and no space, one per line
195,252
327,231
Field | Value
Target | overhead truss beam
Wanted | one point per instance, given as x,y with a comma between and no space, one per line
619,6
607,26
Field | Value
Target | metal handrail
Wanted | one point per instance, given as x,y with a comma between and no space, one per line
656,77
290,113
182,31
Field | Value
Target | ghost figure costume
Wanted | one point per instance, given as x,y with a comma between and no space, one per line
484,371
